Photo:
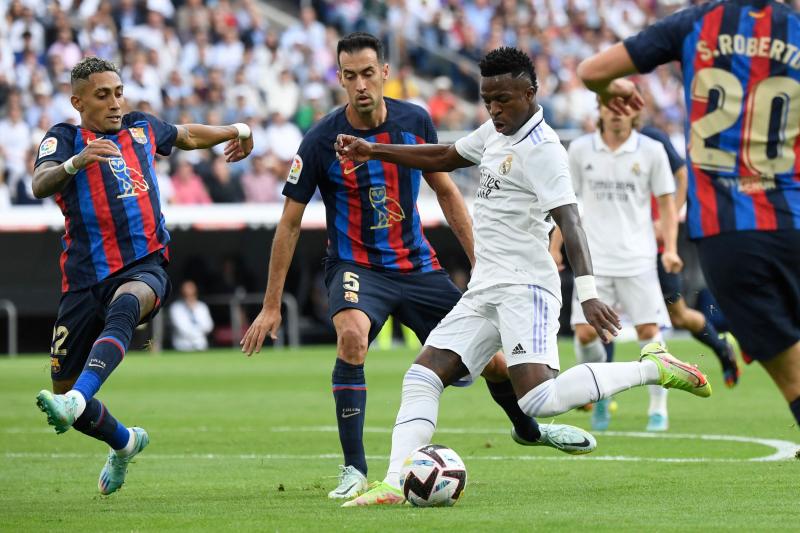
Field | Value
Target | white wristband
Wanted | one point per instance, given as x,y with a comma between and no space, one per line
585,288
69,167
243,129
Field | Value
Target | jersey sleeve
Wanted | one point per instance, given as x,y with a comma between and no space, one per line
431,137
471,147
675,159
661,180
164,133
550,176
301,183
661,42
58,145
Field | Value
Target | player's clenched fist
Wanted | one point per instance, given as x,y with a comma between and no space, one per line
350,148
98,151
602,318
267,322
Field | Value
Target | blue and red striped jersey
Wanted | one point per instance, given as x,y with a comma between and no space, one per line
741,69
112,211
371,209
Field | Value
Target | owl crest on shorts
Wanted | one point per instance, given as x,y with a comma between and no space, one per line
505,166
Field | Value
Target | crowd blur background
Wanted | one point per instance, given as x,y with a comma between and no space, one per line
273,65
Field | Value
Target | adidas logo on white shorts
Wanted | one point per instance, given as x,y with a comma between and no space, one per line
518,350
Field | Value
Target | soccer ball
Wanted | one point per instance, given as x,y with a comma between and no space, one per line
433,476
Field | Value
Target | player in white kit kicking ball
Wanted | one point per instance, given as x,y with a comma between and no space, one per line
615,171
512,301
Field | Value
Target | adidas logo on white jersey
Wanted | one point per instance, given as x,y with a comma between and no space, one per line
518,350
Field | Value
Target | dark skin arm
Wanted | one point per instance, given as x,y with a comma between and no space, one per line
426,157
599,315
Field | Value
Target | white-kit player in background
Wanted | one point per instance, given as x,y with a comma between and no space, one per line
512,301
615,170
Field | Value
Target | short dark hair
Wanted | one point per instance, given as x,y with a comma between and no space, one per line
507,60
359,41
91,65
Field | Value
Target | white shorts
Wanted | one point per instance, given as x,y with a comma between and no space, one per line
522,320
638,296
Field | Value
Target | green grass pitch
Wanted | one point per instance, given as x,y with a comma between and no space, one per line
242,444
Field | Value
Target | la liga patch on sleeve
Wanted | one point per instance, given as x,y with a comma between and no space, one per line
48,146
297,168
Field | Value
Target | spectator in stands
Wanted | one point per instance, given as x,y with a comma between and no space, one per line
191,320
187,186
224,187
283,137
23,195
261,183
14,142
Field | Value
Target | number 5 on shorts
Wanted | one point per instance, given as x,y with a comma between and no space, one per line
350,281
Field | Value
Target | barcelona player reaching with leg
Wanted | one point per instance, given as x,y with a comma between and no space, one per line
379,261
513,299
114,249
741,70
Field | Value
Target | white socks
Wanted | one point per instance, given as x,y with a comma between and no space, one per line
658,394
128,449
81,401
586,383
594,352
416,419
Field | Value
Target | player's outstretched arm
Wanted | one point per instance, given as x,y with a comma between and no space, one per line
454,209
603,72
269,319
195,136
426,157
51,177
599,315
669,233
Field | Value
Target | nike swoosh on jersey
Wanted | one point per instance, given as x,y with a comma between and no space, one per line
351,170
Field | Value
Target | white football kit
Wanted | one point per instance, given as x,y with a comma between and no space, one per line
614,189
514,296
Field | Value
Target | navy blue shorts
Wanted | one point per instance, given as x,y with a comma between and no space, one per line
420,300
755,278
670,283
82,314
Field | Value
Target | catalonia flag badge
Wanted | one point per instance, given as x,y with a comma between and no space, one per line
138,135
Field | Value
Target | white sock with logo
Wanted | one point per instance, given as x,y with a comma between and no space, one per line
416,419
586,383
658,394
594,352
80,400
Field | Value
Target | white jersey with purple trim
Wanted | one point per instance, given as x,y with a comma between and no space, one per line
523,177
614,188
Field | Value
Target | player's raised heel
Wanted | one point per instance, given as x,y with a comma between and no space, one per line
380,493
60,410
568,439
674,373
112,476
351,483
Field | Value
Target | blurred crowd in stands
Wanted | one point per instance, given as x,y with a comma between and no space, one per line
223,61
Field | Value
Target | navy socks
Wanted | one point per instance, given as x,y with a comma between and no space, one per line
525,426
350,395
98,423
109,349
